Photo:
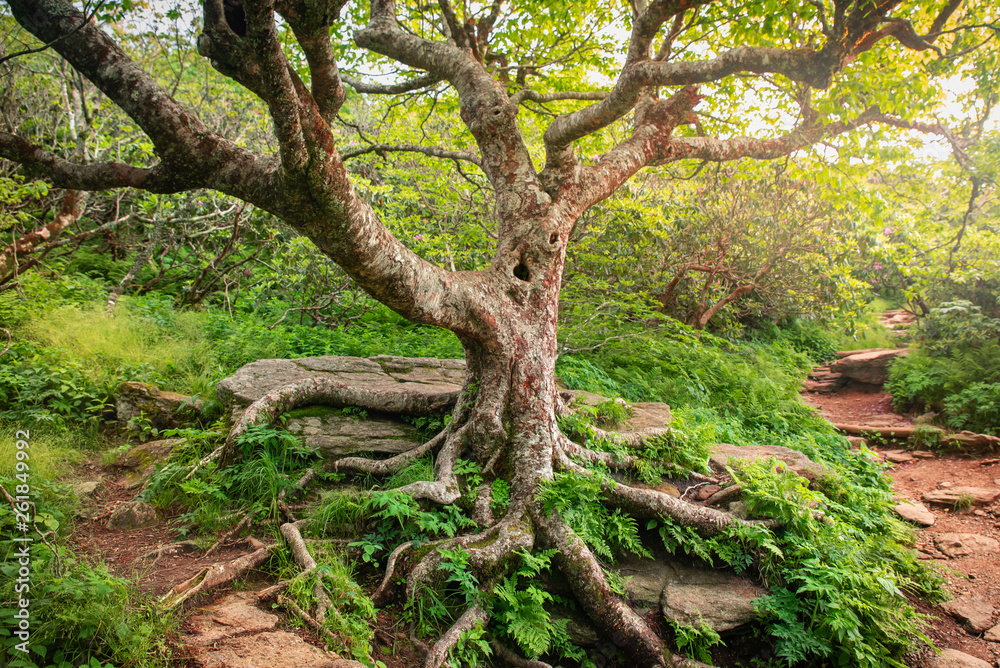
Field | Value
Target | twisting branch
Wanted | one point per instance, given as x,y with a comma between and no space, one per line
433,151
405,86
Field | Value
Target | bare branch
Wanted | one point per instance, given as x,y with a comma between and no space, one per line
433,151
406,86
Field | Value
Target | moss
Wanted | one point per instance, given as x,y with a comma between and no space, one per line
314,411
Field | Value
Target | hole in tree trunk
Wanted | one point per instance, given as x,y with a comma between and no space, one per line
521,272
553,238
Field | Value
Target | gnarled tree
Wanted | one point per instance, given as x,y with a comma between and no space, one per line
504,315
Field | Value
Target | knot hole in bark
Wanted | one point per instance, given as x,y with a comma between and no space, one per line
521,272
553,238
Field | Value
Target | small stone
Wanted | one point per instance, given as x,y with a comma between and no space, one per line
132,515
915,512
964,544
86,488
703,493
993,635
924,454
944,484
979,513
898,456
975,614
952,658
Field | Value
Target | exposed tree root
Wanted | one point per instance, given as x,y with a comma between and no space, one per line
512,658
725,495
593,456
273,591
214,576
486,550
650,504
167,550
317,391
482,510
586,578
306,562
381,595
444,489
319,628
229,535
637,440
439,652
383,467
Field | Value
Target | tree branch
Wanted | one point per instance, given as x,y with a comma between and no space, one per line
390,89
433,151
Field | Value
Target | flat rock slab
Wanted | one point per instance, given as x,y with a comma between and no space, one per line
974,613
898,456
273,649
993,635
722,453
956,545
952,658
953,496
416,385
915,512
721,599
868,367
233,615
339,435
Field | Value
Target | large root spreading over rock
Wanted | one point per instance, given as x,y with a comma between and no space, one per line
525,455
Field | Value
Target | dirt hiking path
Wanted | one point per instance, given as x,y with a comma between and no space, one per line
952,500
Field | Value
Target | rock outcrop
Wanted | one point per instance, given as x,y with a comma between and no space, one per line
414,386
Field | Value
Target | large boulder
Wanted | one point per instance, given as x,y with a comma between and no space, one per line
163,409
414,386
871,366
721,599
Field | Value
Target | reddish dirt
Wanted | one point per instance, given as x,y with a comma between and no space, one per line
122,550
978,574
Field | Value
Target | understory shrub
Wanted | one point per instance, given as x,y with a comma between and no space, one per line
955,371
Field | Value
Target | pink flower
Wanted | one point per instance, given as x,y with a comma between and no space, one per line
878,266
887,231
419,237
